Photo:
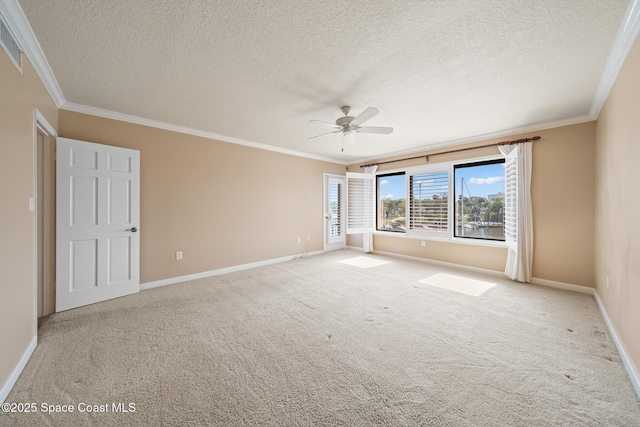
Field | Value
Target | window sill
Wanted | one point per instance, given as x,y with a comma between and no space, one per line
459,240
479,242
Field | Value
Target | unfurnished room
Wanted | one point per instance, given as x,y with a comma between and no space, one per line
323,213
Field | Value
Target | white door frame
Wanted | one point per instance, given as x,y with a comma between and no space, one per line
42,125
326,216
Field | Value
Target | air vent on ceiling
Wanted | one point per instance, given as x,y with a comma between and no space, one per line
9,44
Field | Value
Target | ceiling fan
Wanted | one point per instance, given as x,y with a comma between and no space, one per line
349,125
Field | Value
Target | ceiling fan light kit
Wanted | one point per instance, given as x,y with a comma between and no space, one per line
348,125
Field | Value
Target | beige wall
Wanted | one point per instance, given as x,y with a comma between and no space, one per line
562,192
20,94
490,258
220,204
618,205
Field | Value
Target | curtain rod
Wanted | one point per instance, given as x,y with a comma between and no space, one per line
426,157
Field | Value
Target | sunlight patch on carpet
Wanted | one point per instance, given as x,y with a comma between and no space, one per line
363,262
458,284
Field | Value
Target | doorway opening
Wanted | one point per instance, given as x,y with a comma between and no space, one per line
43,205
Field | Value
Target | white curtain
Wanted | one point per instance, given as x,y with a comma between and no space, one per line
520,253
367,238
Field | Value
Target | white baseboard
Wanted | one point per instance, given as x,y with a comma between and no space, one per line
634,376
11,381
560,285
534,280
354,248
443,263
180,279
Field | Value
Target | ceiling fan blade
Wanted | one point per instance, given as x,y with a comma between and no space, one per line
332,125
364,116
323,134
374,129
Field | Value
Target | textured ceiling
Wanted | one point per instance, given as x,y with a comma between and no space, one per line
259,70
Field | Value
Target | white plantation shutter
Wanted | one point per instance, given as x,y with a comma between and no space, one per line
428,206
336,224
360,202
511,200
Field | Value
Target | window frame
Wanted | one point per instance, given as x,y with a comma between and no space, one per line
378,199
447,236
472,163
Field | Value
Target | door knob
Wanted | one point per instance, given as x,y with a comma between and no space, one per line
132,229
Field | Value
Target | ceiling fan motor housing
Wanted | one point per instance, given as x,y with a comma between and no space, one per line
345,122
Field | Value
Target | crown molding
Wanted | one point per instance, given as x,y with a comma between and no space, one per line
627,35
17,22
113,115
479,138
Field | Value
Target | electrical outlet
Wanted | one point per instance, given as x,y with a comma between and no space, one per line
178,255
298,239
308,238
423,243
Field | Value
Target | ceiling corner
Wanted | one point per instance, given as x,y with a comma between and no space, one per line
627,35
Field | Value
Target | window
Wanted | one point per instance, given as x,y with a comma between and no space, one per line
429,202
479,200
448,200
391,207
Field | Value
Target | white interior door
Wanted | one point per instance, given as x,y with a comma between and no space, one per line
97,220
334,196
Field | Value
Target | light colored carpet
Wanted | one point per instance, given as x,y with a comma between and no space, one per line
458,283
318,342
364,261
